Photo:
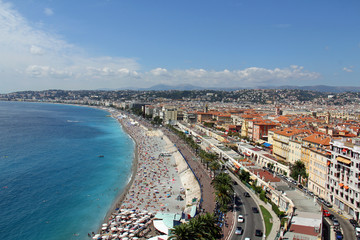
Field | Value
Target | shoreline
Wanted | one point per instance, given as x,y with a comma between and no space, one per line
121,197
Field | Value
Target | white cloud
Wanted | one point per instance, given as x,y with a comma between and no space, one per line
158,71
34,59
252,76
36,50
48,12
348,69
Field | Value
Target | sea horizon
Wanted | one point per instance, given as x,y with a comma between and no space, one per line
61,169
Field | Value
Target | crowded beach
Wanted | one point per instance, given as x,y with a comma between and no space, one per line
162,184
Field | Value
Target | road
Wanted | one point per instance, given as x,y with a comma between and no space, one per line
347,229
252,221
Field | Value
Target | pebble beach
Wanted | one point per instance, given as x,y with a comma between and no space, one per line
160,183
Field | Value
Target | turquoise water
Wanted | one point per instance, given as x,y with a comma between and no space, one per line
53,184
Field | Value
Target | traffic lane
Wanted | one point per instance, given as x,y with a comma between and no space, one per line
252,221
347,229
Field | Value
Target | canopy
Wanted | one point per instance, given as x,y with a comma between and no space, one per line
160,226
343,160
267,144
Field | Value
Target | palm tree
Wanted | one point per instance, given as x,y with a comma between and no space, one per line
223,190
182,232
214,165
222,179
209,226
203,227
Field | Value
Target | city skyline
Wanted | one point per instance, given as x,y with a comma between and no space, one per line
117,44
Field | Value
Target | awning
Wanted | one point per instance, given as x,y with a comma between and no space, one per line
341,184
160,226
344,150
267,144
346,187
343,160
328,163
193,211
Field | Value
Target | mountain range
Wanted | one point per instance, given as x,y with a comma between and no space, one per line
189,87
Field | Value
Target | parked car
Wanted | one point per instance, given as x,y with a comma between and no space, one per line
240,218
255,210
239,231
258,233
339,235
357,231
336,222
326,213
326,203
353,222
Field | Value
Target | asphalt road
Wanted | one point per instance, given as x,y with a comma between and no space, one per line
347,229
252,221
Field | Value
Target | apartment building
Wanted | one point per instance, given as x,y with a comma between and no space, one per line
295,144
317,181
281,139
311,141
344,175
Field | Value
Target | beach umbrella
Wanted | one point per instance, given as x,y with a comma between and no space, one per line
105,225
121,229
113,229
104,228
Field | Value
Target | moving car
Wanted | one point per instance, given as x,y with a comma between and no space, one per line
239,231
255,210
258,233
241,218
246,194
336,222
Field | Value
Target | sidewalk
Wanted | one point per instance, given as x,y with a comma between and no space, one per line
275,220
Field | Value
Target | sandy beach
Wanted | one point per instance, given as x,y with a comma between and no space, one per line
161,182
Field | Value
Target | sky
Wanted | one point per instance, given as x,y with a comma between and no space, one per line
113,44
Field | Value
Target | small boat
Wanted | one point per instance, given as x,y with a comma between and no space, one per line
101,156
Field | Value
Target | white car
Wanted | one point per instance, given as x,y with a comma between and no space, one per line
247,239
240,218
239,231
357,231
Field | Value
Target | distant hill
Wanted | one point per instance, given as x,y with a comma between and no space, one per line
318,88
181,87
189,87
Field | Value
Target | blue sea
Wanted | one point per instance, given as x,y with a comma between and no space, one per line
54,184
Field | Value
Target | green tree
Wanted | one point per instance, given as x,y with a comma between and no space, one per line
214,166
183,232
298,169
202,227
244,175
223,190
